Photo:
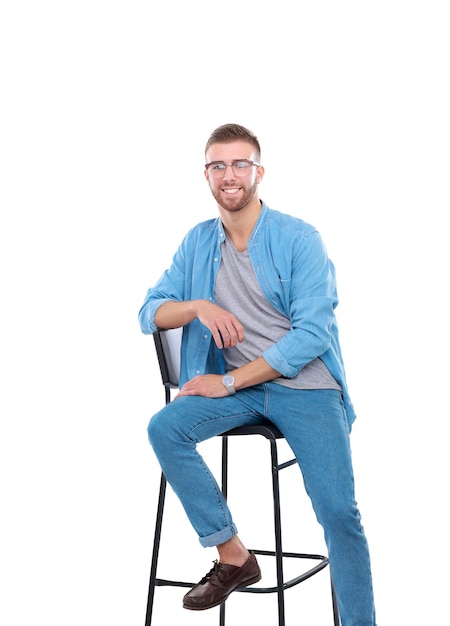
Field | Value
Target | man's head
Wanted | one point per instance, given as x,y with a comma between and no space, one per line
232,169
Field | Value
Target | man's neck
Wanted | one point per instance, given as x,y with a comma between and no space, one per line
239,225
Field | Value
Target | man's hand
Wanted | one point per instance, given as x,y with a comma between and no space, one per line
208,385
226,329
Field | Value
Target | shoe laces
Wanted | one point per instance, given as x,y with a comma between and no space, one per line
213,573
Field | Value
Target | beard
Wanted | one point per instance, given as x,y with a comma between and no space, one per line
234,203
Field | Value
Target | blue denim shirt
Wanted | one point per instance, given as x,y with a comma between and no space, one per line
295,274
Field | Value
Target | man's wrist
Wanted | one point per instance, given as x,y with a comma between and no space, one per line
228,382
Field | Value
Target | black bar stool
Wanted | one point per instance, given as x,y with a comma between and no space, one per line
167,345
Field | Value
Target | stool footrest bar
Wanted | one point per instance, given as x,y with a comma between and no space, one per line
162,582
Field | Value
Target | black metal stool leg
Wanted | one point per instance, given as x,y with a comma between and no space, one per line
337,621
225,494
156,542
222,614
277,524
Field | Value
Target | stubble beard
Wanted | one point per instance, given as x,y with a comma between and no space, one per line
232,207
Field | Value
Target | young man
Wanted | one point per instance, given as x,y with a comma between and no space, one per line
256,293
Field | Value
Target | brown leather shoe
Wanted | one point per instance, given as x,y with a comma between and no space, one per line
217,585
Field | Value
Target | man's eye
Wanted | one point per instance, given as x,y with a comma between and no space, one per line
241,164
219,167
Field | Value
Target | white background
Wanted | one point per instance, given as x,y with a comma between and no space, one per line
105,110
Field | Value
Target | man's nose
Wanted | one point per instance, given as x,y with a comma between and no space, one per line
229,167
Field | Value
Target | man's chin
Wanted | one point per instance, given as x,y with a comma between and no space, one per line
233,208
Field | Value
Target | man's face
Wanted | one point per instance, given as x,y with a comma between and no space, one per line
235,189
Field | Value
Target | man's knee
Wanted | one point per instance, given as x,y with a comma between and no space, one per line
157,429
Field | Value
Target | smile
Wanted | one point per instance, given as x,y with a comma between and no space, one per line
231,190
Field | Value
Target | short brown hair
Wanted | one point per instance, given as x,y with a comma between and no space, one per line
233,132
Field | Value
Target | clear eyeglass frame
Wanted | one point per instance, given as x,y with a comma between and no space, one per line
239,167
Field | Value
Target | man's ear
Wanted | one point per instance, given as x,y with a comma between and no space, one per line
259,174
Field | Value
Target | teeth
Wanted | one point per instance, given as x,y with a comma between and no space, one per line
231,190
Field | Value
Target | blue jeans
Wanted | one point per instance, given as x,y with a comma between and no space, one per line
315,426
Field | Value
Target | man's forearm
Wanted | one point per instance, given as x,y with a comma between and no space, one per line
175,314
253,373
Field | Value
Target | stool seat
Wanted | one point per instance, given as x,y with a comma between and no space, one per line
269,431
167,344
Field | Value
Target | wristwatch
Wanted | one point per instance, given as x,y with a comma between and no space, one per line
228,381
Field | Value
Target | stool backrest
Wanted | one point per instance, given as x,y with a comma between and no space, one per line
168,350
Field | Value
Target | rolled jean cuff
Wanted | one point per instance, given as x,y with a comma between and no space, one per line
220,537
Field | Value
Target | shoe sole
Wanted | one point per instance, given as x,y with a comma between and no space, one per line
246,583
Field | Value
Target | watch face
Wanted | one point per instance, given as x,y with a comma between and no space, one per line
227,380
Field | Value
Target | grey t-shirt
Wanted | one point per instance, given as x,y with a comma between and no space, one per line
237,290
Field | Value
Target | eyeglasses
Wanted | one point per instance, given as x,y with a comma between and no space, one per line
239,167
